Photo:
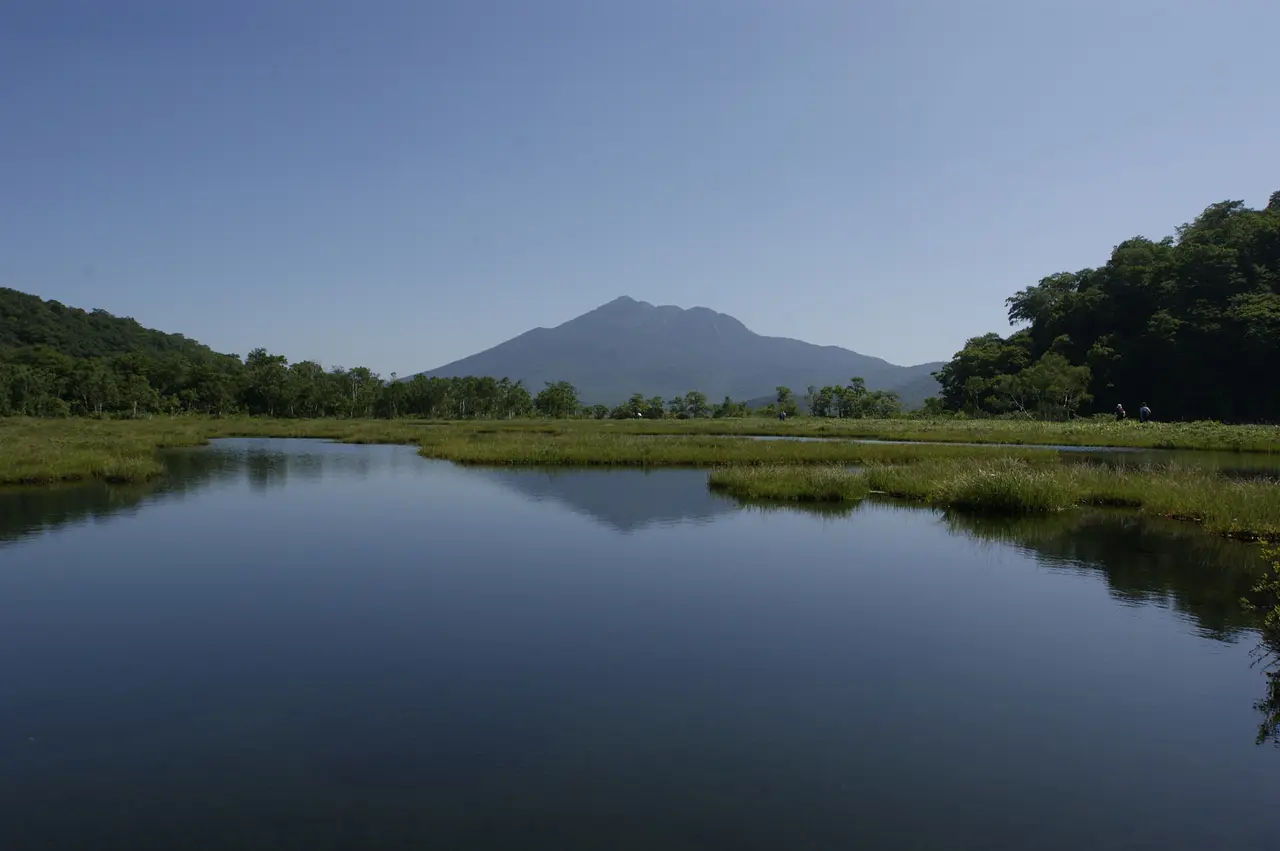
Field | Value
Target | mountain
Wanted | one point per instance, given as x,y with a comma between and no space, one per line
629,346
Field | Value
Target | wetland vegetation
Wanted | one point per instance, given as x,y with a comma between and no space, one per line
1008,485
937,472
47,450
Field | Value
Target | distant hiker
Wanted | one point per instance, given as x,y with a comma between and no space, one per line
782,415
1144,413
1120,414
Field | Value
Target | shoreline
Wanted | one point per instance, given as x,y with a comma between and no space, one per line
986,475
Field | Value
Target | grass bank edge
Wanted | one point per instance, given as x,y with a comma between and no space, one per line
40,451
605,449
43,452
1246,510
1205,436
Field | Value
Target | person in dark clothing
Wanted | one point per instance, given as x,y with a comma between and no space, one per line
1144,413
1120,414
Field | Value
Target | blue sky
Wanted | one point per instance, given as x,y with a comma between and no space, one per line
400,184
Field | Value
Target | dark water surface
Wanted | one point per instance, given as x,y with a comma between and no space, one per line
300,645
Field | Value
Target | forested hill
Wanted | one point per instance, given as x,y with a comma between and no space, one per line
59,361
27,320
1189,324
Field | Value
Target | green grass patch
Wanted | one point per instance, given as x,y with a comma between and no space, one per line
1248,510
790,484
575,447
1241,509
55,453
1082,432
1002,486
43,451
981,478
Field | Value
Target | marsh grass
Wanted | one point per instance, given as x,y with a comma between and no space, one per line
56,454
620,449
790,484
977,478
1081,432
39,451
1001,485
1248,510
36,451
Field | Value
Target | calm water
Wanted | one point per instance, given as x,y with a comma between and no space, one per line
299,645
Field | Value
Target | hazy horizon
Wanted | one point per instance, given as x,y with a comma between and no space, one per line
401,185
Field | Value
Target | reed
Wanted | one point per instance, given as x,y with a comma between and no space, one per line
1248,510
621,449
790,484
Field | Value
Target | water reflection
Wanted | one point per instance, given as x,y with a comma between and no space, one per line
267,464
1144,560
1268,655
270,463
33,510
1149,561
28,511
354,647
625,503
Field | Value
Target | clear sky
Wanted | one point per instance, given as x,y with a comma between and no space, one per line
400,184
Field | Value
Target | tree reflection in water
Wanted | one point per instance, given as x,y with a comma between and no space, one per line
1264,600
1268,655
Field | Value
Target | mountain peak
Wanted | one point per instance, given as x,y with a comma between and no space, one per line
627,346
621,304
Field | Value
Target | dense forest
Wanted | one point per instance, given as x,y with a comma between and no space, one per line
1189,325
62,361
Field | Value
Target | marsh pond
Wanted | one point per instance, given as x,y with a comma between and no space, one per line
304,645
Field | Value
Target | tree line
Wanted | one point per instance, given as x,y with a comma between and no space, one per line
42,382
1190,324
63,361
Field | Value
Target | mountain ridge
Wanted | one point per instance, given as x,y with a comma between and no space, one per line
626,346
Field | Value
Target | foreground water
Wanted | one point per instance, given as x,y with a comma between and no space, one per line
300,645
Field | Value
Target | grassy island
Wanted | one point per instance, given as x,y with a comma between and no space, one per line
1248,509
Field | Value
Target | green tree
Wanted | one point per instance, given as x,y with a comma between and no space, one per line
933,407
557,400
1189,322
696,405
95,386
785,401
265,378
515,400
729,408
